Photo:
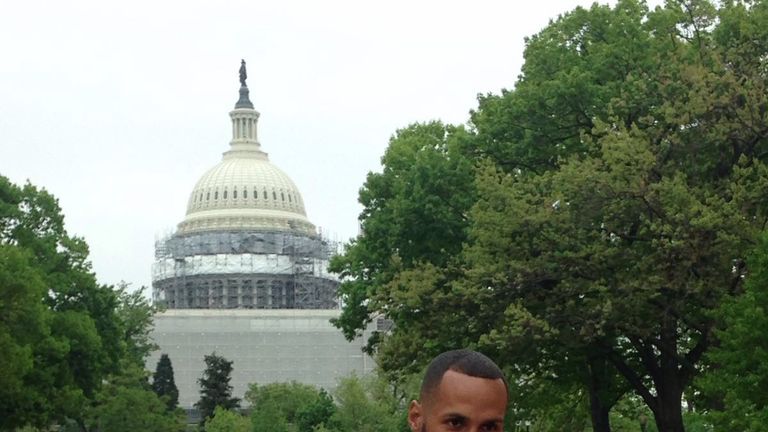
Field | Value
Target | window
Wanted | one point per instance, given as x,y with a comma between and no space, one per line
225,194
282,195
265,194
208,196
216,195
274,195
289,198
234,194
201,196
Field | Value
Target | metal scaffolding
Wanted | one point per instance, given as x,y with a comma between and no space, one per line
244,270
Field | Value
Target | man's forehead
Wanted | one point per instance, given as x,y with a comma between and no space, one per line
457,389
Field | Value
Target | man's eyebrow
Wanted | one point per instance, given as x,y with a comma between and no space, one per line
497,420
454,415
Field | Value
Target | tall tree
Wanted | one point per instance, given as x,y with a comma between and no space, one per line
72,332
215,389
163,382
414,211
621,188
135,315
740,375
24,326
619,254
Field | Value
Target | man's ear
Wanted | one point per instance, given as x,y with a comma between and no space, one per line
415,416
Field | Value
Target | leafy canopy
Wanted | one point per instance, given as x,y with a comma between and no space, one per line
62,335
616,190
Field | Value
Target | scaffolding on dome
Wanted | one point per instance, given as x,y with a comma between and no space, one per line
244,270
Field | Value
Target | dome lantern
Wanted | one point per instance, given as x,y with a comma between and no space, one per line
245,119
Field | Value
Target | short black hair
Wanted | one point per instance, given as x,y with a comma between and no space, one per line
464,361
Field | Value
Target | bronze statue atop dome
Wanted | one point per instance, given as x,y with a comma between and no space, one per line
243,73
244,101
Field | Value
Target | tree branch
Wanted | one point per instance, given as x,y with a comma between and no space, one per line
634,380
647,357
693,356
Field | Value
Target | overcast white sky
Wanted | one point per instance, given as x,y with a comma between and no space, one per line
117,108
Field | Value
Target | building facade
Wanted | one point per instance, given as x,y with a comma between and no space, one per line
265,346
245,276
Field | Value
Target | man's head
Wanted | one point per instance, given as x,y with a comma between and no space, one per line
462,390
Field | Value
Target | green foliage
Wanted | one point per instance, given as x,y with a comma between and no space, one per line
547,407
739,375
589,64
268,418
224,420
365,405
617,189
695,422
164,384
126,404
414,211
62,334
288,407
24,326
316,413
215,390
135,315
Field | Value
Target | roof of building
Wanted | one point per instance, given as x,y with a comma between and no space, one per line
245,191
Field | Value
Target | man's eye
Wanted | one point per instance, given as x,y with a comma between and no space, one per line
493,427
455,423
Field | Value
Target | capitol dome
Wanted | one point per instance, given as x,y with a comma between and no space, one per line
245,241
245,191
246,275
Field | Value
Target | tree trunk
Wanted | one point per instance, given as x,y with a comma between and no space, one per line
669,420
599,416
599,408
668,413
669,377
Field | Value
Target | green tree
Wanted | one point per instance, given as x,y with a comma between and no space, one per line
741,373
363,405
621,186
620,253
288,406
215,389
25,325
414,211
224,420
135,315
163,383
268,418
125,403
72,332
316,413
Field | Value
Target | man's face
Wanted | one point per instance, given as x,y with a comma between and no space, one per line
461,403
